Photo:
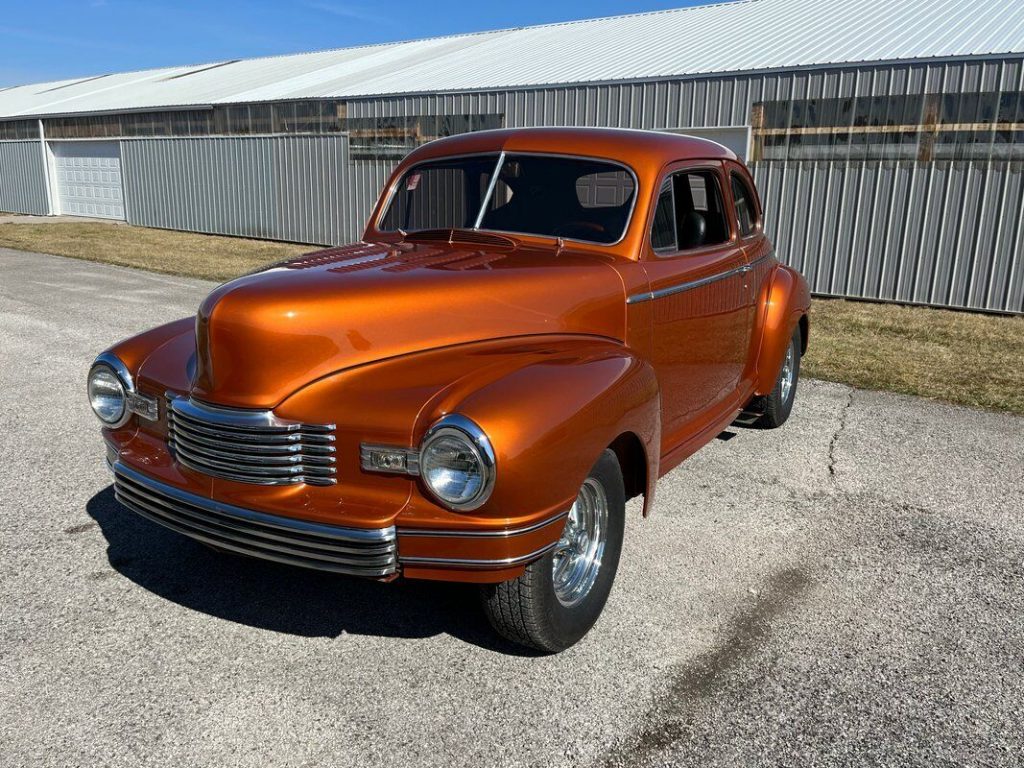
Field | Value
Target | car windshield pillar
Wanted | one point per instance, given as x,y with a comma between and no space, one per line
490,191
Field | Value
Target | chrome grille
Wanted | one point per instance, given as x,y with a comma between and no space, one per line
249,446
356,551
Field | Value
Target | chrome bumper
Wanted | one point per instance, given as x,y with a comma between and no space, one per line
355,551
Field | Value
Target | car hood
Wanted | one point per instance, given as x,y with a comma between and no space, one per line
264,336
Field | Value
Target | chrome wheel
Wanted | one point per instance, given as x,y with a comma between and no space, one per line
788,373
577,558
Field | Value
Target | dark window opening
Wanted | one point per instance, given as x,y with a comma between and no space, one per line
746,210
690,213
578,199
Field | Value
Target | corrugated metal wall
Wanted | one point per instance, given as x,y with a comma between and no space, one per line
22,178
276,187
946,233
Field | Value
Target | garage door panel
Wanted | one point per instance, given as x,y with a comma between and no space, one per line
89,178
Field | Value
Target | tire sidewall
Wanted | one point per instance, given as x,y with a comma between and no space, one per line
786,407
567,624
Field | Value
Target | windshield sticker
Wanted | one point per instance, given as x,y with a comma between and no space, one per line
413,182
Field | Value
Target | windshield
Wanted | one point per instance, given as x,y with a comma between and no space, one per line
574,198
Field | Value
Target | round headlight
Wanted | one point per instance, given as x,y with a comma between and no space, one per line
457,463
107,395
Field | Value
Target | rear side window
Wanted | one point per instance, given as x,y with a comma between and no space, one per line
746,209
690,213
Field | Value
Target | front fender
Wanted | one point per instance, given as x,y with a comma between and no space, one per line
786,301
550,417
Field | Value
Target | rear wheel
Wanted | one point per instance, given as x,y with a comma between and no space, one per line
779,403
561,595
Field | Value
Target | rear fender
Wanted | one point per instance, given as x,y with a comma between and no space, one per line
787,300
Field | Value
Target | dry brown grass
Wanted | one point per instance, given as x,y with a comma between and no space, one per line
961,357
159,250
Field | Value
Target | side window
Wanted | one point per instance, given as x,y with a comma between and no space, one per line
663,232
746,210
690,213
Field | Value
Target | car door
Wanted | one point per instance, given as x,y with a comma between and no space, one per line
747,220
699,300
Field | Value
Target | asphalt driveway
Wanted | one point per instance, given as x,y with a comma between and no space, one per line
848,590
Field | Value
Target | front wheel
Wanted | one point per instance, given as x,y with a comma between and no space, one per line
560,596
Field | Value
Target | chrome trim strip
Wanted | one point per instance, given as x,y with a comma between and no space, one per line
357,551
506,562
240,418
249,446
671,290
503,534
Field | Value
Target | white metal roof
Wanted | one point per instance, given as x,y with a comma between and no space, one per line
728,37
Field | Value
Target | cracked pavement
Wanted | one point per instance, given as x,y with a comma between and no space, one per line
844,591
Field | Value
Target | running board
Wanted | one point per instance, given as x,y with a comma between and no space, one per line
754,411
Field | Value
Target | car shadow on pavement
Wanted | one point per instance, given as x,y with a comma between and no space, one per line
282,598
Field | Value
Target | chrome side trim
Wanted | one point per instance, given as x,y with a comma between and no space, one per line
356,551
506,562
671,290
503,534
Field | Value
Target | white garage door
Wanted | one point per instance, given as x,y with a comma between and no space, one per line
89,178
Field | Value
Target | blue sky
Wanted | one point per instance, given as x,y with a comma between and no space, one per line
54,40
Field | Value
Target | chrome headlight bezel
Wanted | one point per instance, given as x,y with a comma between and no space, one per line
476,442
110,364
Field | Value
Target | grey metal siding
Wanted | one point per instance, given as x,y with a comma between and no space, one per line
275,187
22,178
945,233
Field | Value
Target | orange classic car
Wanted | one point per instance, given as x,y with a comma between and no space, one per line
537,325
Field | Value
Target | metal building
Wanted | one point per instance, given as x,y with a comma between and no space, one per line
887,136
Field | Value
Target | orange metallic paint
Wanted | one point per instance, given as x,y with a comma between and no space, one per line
533,340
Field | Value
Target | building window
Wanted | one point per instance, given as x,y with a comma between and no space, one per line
923,127
14,130
394,137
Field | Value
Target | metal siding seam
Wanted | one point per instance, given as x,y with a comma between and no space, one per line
1001,223
1015,282
906,225
966,190
982,234
942,228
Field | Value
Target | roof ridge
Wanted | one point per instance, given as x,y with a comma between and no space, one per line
227,60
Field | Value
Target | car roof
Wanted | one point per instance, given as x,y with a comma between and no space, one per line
636,148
